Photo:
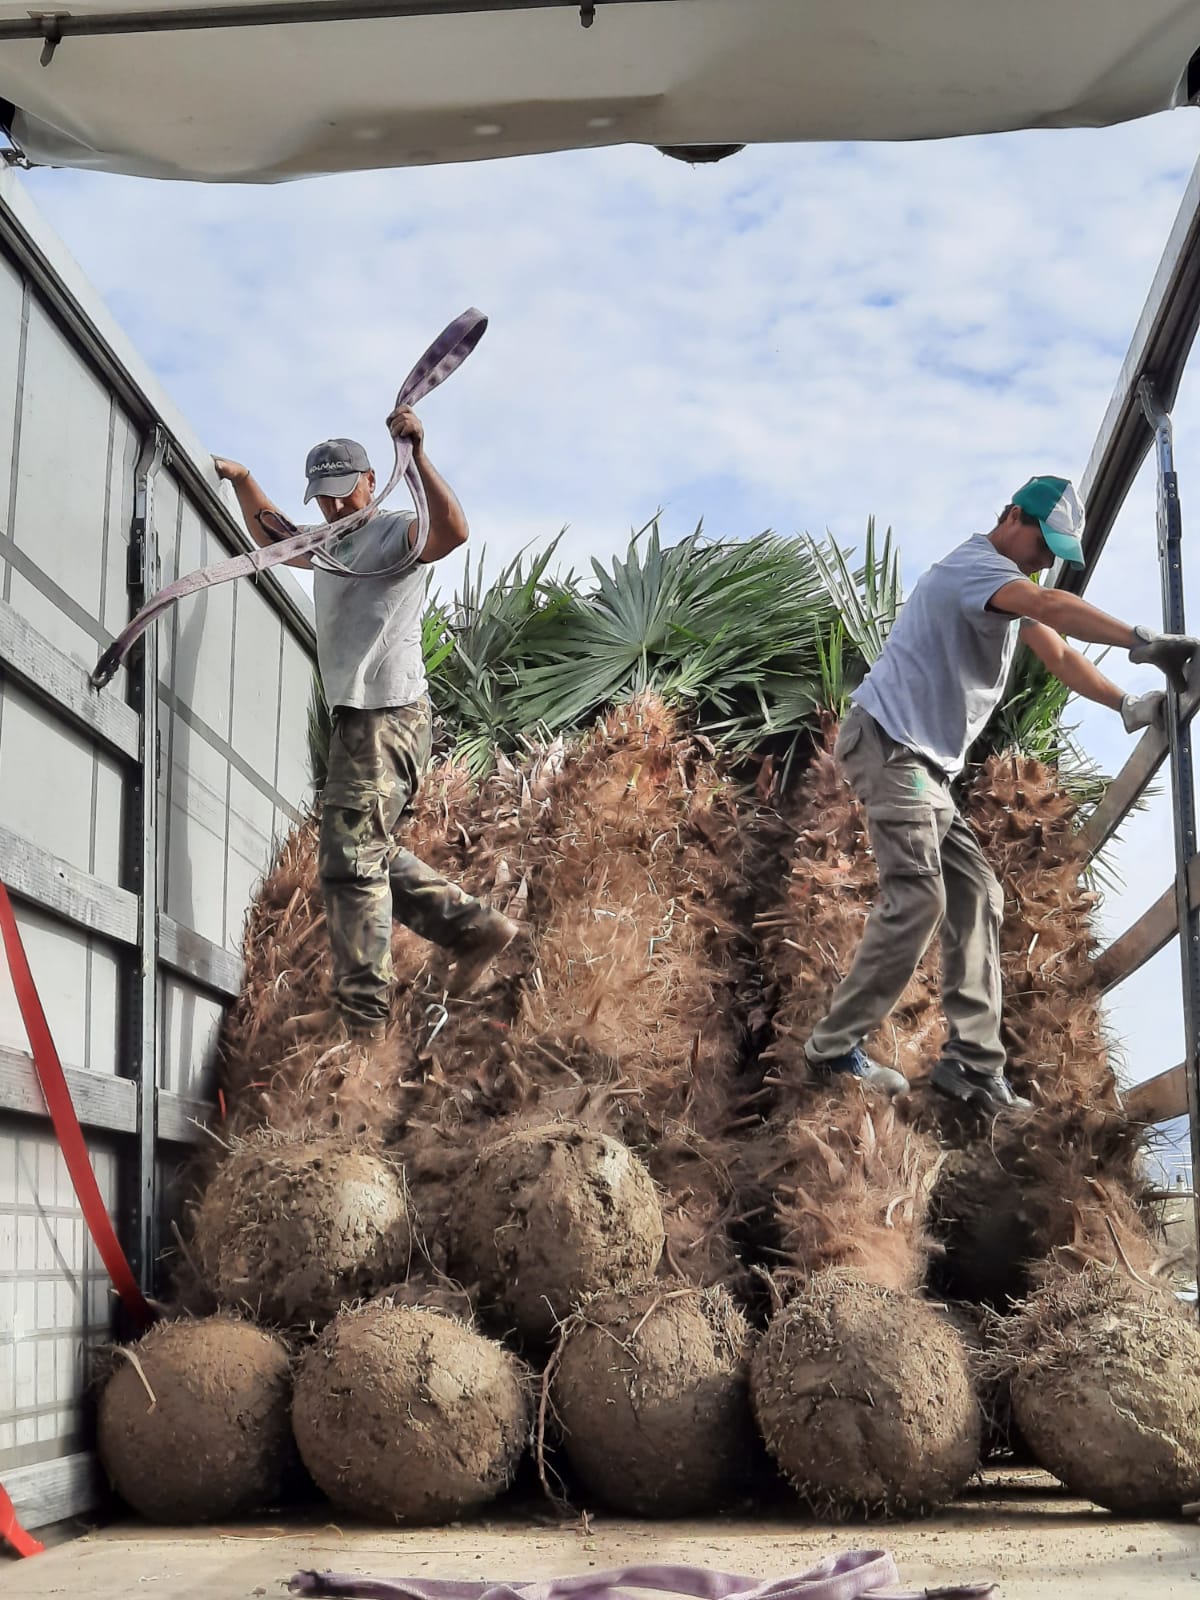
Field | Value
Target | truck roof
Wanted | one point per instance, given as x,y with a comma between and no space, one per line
226,91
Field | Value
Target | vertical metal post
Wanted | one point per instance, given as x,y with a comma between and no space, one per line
142,857
1183,793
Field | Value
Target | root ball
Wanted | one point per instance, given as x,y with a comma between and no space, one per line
550,1214
406,1414
194,1422
652,1394
293,1229
1107,1391
863,1397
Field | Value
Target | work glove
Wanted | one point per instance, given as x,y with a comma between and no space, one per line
1140,711
1169,652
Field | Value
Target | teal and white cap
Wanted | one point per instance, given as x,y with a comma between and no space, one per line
1054,502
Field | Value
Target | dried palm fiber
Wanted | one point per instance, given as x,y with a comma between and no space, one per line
1054,1031
863,1398
266,1078
194,1421
632,863
1013,1194
290,1228
1105,1377
406,1413
644,858
649,1386
835,1178
1023,1189
810,937
642,831
548,1214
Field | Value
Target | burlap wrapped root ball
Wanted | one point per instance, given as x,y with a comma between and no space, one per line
194,1421
292,1229
1106,1390
650,1388
863,1398
550,1214
405,1414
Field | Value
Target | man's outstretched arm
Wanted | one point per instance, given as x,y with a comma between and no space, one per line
1078,619
1084,678
252,499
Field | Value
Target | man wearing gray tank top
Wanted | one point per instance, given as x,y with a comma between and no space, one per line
373,673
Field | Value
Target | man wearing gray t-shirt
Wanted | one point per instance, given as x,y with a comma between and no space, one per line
373,673
905,739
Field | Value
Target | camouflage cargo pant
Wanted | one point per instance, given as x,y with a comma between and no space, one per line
376,760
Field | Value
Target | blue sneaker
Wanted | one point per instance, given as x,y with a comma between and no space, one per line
857,1063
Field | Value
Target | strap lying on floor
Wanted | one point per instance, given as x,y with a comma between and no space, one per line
854,1575
444,356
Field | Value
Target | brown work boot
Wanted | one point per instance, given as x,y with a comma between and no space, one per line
331,1024
476,951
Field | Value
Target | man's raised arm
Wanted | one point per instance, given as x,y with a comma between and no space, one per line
252,499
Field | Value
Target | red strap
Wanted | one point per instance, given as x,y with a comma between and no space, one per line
70,1137
66,1123
12,1531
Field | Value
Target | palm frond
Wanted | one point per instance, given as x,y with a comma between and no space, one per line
476,650
720,627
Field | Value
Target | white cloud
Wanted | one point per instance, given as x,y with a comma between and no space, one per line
796,338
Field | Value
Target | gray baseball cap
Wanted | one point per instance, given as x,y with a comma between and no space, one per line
334,467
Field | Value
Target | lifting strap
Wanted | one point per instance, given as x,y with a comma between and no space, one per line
853,1575
444,356
59,1104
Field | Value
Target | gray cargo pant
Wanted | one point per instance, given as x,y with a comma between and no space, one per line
932,874
376,761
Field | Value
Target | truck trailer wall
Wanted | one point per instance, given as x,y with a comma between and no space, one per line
79,418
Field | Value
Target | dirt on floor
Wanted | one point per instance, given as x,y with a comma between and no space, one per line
1017,1529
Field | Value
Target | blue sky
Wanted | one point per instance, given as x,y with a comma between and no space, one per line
796,338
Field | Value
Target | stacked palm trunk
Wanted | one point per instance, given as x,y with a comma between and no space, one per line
598,1212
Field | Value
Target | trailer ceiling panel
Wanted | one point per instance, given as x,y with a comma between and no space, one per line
228,92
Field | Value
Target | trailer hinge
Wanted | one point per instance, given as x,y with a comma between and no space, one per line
154,451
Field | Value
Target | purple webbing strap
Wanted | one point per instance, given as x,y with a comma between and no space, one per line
854,1575
444,356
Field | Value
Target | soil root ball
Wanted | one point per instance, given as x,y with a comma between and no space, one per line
293,1229
651,1391
864,1399
1106,1391
194,1422
407,1415
550,1214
